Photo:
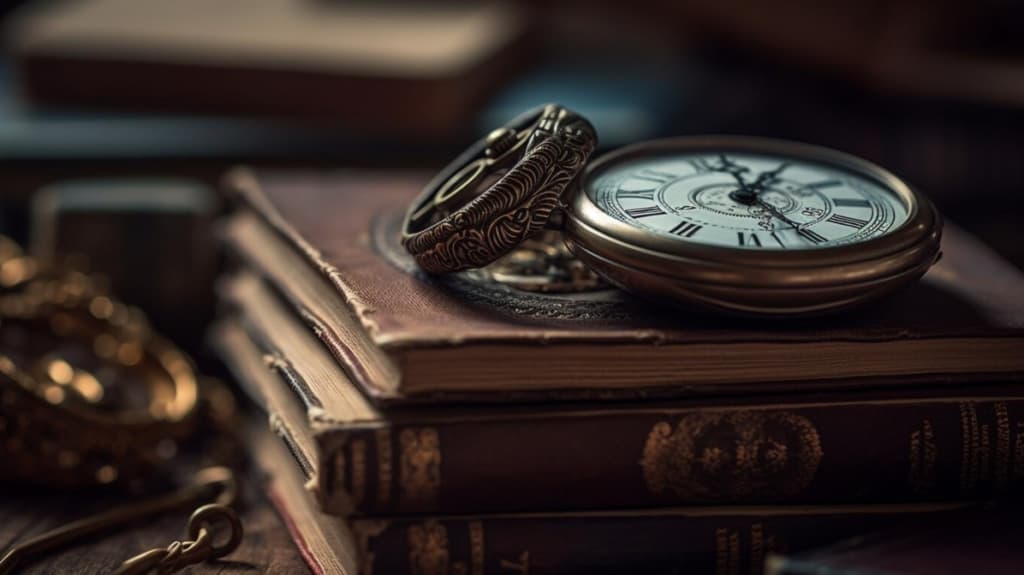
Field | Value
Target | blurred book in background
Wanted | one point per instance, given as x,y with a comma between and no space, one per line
151,239
413,68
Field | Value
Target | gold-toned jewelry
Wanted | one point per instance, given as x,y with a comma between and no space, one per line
498,193
59,424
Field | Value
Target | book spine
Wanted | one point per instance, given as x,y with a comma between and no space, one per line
596,543
800,454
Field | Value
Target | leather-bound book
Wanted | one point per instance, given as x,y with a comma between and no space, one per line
729,539
361,460
404,69
328,242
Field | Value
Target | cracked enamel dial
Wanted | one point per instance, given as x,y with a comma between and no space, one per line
747,200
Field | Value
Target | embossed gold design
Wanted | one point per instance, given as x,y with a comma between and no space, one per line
428,549
421,467
757,548
358,471
722,455
476,547
922,458
970,468
384,474
727,552
1002,471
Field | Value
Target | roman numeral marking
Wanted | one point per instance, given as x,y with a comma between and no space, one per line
686,229
640,195
655,176
645,212
750,239
811,236
778,240
823,184
851,203
847,221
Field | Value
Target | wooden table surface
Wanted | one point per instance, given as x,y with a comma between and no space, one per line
26,512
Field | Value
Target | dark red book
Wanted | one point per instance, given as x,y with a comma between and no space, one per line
361,460
673,540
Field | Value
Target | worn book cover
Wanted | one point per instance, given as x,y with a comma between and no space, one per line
328,242
279,58
883,447
707,540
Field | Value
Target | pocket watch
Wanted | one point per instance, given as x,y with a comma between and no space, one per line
743,225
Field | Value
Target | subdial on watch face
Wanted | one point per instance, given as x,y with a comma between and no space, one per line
747,200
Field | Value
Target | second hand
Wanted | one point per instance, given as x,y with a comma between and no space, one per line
748,199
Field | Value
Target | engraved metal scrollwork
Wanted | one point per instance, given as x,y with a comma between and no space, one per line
453,228
541,264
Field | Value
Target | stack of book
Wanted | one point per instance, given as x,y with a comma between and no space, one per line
432,425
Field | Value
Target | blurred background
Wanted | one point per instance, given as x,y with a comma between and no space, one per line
138,106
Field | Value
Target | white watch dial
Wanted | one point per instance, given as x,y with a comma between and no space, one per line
748,200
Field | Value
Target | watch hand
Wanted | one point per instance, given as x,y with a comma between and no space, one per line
766,178
775,212
747,193
732,168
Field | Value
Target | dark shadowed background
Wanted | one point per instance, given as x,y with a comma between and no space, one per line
112,88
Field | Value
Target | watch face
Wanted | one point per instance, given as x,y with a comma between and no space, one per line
747,200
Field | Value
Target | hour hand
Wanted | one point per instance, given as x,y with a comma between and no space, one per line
747,193
767,178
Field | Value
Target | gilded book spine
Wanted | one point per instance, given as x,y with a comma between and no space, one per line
695,541
881,451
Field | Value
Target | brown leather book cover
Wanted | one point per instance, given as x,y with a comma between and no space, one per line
410,69
359,460
673,540
328,243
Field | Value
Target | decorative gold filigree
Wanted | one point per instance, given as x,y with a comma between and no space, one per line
421,468
428,549
67,415
476,547
358,472
710,456
922,459
382,439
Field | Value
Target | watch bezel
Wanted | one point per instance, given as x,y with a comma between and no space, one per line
763,283
647,249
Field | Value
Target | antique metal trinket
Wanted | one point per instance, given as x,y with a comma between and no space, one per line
748,226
